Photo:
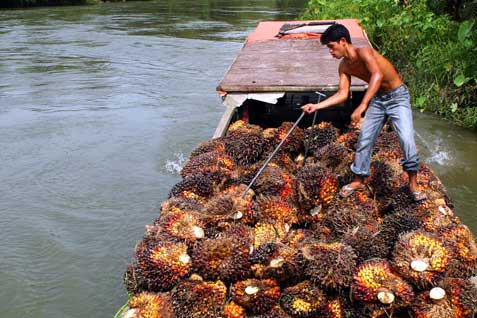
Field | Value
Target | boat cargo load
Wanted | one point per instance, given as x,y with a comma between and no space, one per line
256,227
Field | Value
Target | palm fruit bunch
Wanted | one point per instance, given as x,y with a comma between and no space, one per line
330,265
303,300
195,298
208,162
320,135
160,265
292,247
420,257
257,296
277,261
150,305
451,297
460,241
374,283
244,144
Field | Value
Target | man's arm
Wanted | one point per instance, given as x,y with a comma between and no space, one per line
366,55
340,97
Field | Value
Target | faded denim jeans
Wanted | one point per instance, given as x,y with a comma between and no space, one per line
396,106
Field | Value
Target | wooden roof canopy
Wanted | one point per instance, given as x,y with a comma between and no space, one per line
267,63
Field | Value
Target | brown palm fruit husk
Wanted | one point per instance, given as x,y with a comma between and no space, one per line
151,305
388,143
180,203
257,296
296,238
452,297
314,186
303,300
349,139
274,209
215,145
226,257
277,261
161,264
209,161
329,265
460,240
435,217
275,312
199,299
244,146
382,179
420,257
233,310
333,156
320,135
375,284
182,226
199,184
269,232
345,214
133,280
432,185
365,241
274,181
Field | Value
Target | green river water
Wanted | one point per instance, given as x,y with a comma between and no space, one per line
99,107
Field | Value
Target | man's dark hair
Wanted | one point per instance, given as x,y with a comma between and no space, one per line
334,33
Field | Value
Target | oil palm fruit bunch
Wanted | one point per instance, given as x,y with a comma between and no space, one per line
179,226
150,305
284,161
234,310
133,279
365,241
388,143
335,156
382,178
242,125
294,143
275,312
333,309
431,184
303,300
375,283
161,264
275,209
226,258
460,241
269,232
209,161
452,297
349,139
199,299
277,261
215,145
314,186
199,184
330,265
435,217
320,135
274,181
257,296
420,257
180,203
244,145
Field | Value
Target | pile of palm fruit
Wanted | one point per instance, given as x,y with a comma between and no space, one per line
291,246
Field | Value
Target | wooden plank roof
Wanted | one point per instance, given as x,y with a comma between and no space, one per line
269,64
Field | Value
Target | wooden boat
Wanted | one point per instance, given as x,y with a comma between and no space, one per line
282,66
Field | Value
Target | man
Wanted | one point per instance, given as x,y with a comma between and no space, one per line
386,96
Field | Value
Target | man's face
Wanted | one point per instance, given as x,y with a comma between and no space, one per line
337,49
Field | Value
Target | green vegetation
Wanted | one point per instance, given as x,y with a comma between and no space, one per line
430,42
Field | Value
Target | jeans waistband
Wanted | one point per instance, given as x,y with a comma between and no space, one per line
392,93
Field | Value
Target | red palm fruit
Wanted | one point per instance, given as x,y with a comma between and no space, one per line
199,299
162,264
460,241
333,309
226,258
420,257
150,305
241,125
285,162
255,295
274,181
375,283
233,310
268,232
274,209
388,143
435,217
183,226
199,184
209,161
329,265
294,143
215,145
277,261
244,146
452,297
314,186
303,300
320,135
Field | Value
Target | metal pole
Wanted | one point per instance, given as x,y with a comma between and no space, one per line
314,120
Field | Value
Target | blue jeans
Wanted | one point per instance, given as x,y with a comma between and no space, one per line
396,106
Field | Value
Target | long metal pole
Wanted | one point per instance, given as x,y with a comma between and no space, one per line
313,122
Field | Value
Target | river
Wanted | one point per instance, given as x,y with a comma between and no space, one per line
99,106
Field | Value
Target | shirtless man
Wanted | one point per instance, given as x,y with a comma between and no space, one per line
386,96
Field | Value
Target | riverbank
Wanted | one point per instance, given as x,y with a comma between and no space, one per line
434,53
40,3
